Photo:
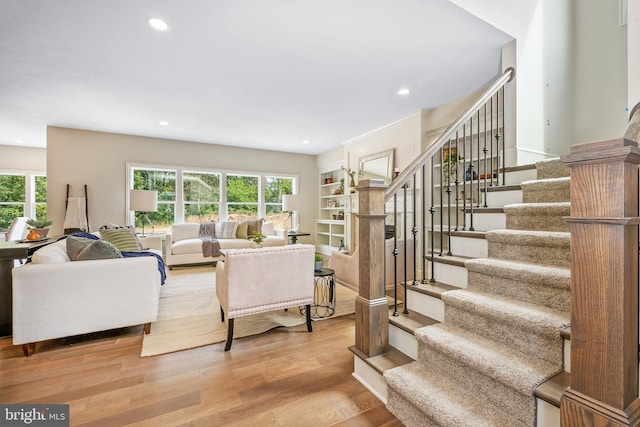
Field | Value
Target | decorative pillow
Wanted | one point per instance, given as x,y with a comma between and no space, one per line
55,252
227,230
76,244
255,226
99,249
122,238
242,230
268,228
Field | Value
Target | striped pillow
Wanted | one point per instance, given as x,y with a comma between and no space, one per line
227,230
122,238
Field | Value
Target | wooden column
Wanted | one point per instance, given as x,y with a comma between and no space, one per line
372,307
604,285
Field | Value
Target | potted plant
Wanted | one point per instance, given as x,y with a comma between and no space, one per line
317,263
258,238
39,228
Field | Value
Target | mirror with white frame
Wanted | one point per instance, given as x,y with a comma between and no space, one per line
377,166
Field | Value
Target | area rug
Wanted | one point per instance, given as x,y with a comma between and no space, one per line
189,314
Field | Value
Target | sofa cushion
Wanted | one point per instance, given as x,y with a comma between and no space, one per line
76,244
242,230
53,253
268,228
187,246
255,226
184,231
124,239
227,230
98,249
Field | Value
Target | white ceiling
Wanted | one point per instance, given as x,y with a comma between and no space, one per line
265,74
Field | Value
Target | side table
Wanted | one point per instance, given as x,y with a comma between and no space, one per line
324,295
293,236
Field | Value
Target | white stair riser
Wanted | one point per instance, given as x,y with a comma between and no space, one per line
450,274
403,341
469,247
516,177
370,378
567,355
498,199
425,305
547,415
487,221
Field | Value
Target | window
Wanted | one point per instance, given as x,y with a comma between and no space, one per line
22,195
164,182
188,195
201,195
242,197
275,188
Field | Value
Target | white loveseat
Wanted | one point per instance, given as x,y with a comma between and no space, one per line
183,245
54,297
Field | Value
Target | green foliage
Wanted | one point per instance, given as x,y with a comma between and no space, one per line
258,237
318,258
39,223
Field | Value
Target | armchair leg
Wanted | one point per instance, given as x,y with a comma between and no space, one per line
227,346
221,314
29,349
308,310
147,328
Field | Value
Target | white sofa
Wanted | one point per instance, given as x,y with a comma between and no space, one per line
251,281
54,297
183,246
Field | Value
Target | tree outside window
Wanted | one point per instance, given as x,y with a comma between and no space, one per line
275,188
12,198
201,195
41,196
242,197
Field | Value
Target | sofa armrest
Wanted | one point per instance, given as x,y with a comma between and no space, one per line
281,233
346,268
168,243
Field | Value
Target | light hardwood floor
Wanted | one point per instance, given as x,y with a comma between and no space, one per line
285,377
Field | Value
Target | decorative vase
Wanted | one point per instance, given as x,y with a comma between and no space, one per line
42,232
352,186
255,245
318,265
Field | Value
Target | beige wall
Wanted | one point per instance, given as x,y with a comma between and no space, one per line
18,158
99,159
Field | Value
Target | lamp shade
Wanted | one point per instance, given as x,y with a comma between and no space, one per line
143,200
290,202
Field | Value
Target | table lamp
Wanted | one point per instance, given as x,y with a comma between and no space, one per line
291,204
143,201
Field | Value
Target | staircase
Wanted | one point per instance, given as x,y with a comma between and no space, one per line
496,322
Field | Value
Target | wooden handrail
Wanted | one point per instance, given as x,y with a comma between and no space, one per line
416,164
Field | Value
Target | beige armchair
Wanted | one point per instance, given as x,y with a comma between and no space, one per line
250,281
346,265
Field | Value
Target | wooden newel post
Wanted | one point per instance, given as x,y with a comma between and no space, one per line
604,285
372,307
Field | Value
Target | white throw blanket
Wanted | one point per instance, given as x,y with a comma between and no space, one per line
75,216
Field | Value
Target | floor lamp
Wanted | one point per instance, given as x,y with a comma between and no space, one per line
143,201
291,204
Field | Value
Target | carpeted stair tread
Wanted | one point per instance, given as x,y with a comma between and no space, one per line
532,283
531,246
534,318
556,277
514,369
546,190
551,168
440,401
542,209
530,237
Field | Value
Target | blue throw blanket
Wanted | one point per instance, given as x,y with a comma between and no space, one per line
161,266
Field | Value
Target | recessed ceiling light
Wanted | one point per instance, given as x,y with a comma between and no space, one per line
404,91
305,141
19,141
163,123
158,24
